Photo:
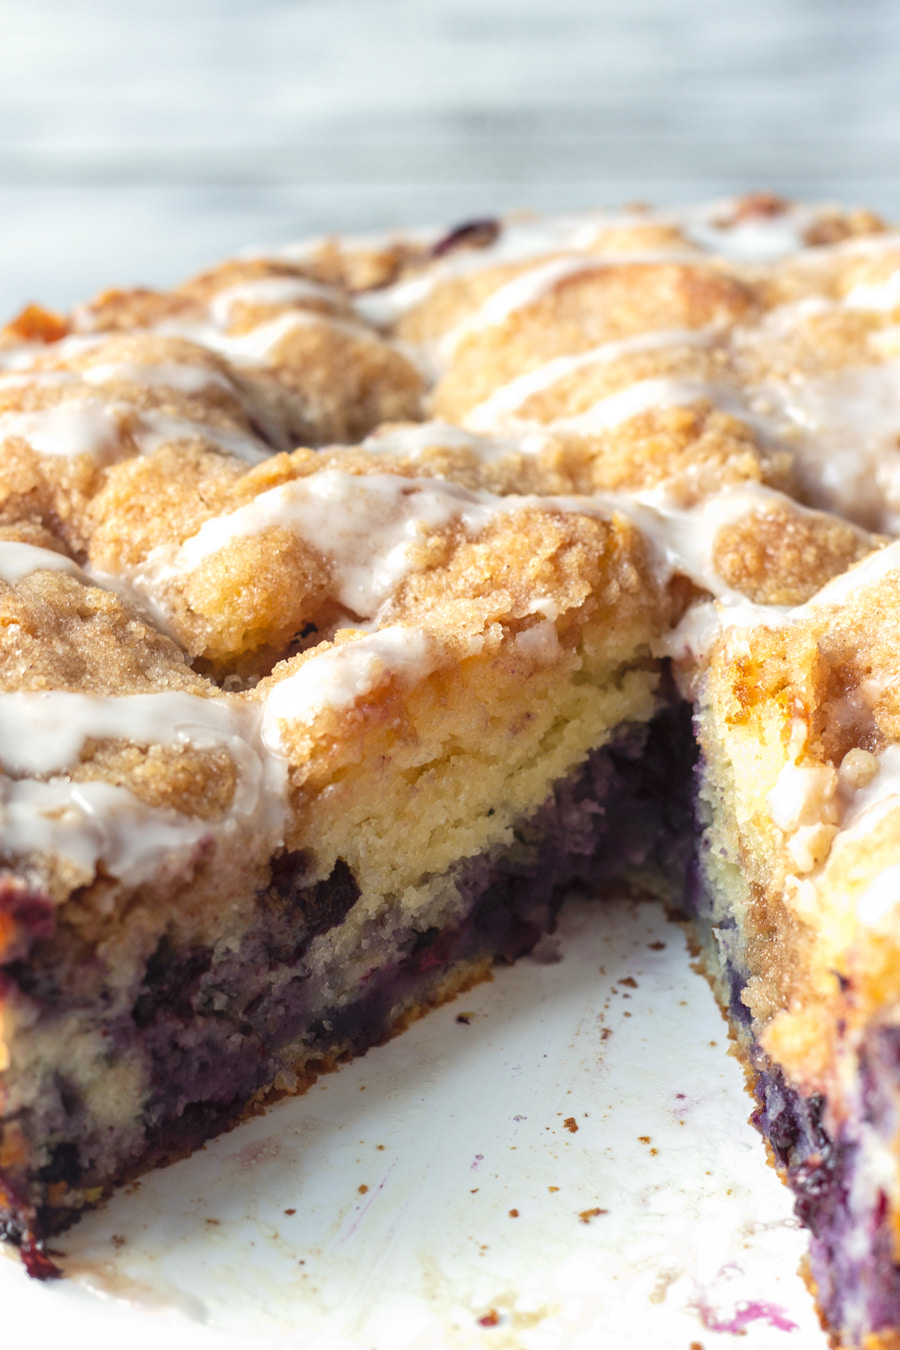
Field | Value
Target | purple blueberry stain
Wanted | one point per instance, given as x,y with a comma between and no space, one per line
743,1316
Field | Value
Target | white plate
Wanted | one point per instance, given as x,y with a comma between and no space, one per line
570,1167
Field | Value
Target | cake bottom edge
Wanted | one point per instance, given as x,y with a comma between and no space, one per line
831,1170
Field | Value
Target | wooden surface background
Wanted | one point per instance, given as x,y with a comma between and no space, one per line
140,140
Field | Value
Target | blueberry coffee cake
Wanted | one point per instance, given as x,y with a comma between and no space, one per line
362,596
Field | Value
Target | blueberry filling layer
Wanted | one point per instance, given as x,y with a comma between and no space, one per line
212,1033
851,1254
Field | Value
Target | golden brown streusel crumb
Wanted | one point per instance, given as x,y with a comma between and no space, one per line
834,228
61,633
164,496
578,312
342,263
695,446
204,287
810,344
782,557
51,494
116,310
327,384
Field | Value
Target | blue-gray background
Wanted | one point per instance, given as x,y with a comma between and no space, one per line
140,140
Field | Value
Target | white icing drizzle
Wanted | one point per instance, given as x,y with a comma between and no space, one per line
373,241
866,245
385,306
783,320
751,238
19,560
44,732
527,289
880,897
868,572
686,538
85,823
510,397
256,346
842,428
104,431
878,295
646,396
269,291
21,357
864,809
187,379
366,526
821,257
412,440
650,395
153,429
18,379
534,285
881,790
340,676
77,427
